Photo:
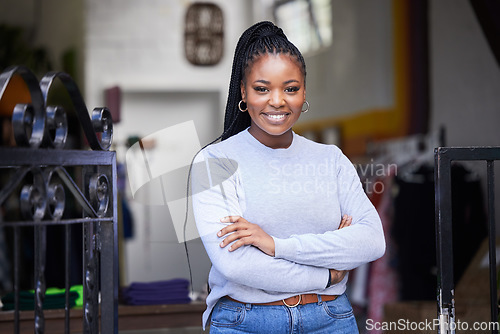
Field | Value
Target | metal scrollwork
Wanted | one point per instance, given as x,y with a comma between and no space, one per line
36,124
33,199
28,120
41,173
56,129
91,128
28,124
103,126
56,198
99,193
56,201
42,198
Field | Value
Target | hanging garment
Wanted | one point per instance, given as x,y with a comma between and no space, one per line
414,228
383,277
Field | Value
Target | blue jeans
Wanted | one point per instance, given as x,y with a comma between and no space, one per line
329,317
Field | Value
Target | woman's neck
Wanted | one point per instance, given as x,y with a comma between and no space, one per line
272,141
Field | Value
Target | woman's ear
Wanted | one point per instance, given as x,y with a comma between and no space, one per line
243,91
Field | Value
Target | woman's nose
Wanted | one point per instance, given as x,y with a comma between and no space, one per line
277,99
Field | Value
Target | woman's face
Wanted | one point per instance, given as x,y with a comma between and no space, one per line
274,93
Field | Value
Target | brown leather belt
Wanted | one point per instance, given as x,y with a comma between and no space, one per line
295,300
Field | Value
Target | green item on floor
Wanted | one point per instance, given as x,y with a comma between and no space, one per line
55,298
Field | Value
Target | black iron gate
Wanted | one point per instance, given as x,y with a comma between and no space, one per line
41,175
443,159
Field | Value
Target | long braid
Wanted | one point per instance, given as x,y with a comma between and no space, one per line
234,96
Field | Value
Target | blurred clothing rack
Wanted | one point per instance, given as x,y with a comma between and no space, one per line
410,149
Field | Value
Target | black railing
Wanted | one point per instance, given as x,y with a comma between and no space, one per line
37,174
446,300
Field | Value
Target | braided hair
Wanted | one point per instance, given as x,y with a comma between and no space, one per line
260,39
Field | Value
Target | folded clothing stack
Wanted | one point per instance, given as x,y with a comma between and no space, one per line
175,291
53,299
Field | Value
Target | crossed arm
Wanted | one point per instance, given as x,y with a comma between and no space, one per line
243,233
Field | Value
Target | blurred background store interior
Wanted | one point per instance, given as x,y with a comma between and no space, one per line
387,81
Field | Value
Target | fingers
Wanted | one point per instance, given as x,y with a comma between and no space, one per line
233,227
238,230
241,232
238,234
340,276
231,219
337,275
240,242
346,221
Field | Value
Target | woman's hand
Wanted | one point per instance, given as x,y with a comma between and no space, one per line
338,275
346,221
245,233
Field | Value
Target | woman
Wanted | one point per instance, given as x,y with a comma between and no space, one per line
270,205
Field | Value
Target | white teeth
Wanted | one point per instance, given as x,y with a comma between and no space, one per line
276,117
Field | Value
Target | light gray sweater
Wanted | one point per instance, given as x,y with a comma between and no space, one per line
298,196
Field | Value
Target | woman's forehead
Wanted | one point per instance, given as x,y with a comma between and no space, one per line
272,61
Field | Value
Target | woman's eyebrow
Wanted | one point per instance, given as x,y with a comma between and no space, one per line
267,82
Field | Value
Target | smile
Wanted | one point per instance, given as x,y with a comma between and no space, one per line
276,117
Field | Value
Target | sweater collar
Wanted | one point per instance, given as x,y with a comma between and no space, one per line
282,152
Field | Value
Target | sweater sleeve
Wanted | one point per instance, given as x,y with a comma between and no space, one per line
215,195
343,249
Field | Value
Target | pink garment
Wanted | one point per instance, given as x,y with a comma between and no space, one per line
383,278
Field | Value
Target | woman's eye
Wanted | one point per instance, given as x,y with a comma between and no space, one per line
292,89
261,89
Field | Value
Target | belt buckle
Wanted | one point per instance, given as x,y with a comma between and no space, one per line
300,299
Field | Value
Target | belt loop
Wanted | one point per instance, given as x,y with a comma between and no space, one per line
248,306
319,299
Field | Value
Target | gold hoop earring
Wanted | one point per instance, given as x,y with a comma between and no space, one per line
239,106
307,109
